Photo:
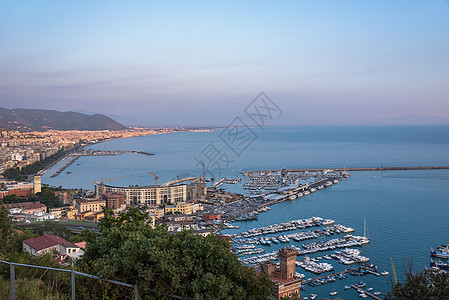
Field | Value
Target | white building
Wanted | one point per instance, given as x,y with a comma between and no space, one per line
48,243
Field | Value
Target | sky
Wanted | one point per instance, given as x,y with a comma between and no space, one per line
199,63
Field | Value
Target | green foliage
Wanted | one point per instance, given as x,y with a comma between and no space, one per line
7,233
52,227
429,284
128,249
29,289
48,197
14,174
12,199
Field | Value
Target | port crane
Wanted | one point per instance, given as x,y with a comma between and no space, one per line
155,179
202,181
103,181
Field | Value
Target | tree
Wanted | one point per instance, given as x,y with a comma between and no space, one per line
128,249
429,284
48,197
7,233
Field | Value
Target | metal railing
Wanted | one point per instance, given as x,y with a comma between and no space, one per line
12,273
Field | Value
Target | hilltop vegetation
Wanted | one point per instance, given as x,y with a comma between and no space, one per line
41,120
192,266
128,249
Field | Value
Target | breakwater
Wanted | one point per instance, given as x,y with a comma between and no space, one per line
349,169
109,152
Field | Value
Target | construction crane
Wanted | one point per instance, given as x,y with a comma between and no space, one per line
103,181
202,181
394,271
155,179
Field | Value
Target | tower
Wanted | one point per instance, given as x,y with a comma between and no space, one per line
287,257
37,184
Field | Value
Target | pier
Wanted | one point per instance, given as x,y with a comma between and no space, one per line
366,293
65,166
309,280
351,169
109,152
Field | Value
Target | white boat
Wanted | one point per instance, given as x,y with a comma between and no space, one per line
306,193
364,240
370,289
336,181
333,293
328,222
385,273
292,197
377,293
313,190
300,195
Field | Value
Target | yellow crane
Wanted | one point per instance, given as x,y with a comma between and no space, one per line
394,271
103,181
155,179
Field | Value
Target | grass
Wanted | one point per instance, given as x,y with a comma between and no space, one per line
27,289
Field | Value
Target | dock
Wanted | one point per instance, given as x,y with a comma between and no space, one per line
366,293
65,166
352,169
329,275
109,152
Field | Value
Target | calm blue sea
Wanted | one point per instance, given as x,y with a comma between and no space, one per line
406,211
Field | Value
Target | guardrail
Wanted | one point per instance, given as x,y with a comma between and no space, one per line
12,274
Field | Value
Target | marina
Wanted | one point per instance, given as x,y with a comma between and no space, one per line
375,195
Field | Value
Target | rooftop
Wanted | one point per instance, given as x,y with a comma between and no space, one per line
45,241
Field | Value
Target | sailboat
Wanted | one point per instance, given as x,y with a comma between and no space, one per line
364,240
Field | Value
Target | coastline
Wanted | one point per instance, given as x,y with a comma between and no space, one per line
82,147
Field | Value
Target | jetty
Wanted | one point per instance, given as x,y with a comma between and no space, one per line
309,280
65,166
350,169
109,152
366,292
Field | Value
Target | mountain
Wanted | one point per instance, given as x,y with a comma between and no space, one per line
40,119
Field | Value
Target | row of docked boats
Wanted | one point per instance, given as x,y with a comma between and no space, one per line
439,264
344,242
314,267
349,256
441,252
277,228
286,238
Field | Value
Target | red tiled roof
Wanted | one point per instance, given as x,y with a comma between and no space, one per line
81,244
44,242
25,205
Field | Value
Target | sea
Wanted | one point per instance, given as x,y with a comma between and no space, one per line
406,212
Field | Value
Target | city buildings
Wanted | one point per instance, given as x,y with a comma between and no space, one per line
169,193
19,149
114,200
95,204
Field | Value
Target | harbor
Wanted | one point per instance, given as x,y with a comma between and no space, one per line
383,198
251,245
